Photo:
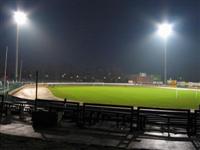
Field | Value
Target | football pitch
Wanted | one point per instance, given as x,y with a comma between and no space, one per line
132,96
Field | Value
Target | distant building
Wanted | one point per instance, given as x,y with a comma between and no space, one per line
143,78
172,83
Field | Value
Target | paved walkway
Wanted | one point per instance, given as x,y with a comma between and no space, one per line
28,92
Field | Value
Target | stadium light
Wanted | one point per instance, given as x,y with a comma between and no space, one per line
20,18
164,31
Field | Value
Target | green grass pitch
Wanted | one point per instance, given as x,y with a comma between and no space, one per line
133,96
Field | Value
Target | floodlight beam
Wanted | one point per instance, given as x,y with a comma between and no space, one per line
165,30
20,17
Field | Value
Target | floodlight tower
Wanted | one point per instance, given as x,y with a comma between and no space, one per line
20,19
165,30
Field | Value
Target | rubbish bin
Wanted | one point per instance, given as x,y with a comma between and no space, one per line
44,119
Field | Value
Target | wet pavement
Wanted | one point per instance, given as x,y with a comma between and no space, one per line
68,136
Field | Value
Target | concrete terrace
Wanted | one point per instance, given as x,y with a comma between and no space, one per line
19,134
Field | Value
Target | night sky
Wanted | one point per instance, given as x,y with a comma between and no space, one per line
68,35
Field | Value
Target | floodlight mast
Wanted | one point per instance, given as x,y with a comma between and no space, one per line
165,30
20,18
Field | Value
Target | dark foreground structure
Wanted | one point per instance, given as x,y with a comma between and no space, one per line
71,125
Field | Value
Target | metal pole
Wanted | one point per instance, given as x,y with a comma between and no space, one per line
20,73
2,107
17,54
5,69
36,91
165,61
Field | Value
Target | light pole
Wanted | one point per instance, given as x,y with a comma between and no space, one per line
165,30
20,18
20,71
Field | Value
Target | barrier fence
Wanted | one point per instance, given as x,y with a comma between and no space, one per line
87,115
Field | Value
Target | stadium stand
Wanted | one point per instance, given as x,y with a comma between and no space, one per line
170,120
50,112
93,113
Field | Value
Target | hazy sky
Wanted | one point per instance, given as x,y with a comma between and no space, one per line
85,34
